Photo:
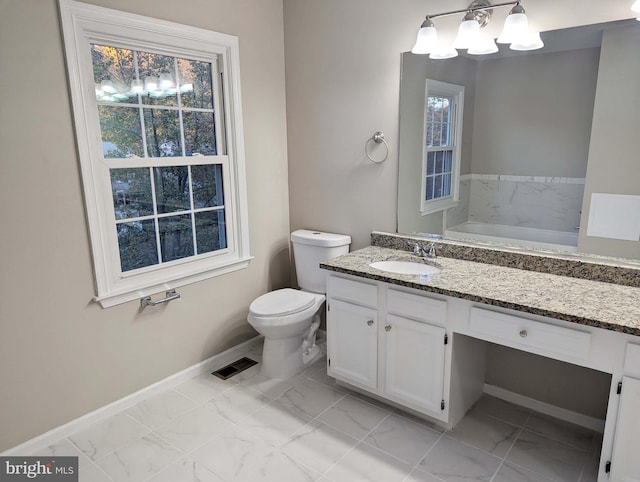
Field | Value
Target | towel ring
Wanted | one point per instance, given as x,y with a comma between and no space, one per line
378,138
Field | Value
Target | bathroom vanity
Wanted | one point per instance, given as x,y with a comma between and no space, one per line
420,342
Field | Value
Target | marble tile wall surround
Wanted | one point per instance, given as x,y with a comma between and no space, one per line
576,265
552,203
460,213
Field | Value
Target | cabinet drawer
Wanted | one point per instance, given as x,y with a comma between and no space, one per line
417,307
529,335
355,291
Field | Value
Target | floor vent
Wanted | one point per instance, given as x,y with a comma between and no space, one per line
234,368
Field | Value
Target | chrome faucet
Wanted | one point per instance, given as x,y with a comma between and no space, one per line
422,252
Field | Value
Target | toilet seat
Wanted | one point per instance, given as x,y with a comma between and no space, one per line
282,302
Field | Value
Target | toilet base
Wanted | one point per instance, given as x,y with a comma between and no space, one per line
283,358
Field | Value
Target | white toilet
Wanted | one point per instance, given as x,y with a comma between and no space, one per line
289,318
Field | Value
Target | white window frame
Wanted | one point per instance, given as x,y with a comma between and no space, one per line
84,24
435,87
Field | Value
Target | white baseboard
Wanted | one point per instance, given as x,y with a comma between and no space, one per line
586,421
40,442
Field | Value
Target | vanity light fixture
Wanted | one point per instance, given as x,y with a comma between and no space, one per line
516,31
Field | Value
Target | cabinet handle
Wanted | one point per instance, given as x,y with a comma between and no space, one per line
370,323
523,333
387,328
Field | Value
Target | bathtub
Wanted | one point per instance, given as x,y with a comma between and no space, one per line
514,235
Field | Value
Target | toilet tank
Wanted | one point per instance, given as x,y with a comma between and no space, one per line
310,248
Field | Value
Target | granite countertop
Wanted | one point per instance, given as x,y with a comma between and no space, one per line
594,303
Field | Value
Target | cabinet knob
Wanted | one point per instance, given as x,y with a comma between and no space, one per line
387,328
523,333
370,323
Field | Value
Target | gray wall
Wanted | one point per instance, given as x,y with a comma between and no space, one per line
61,355
614,165
533,114
415,70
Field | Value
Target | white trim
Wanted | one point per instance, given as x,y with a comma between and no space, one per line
570,416
83,24
54,435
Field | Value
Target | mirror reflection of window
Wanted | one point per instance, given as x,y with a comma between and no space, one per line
442,139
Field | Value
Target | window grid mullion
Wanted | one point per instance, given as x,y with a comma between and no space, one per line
193,216
155,214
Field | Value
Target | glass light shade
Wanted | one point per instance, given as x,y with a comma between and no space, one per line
636,7
136,86
150,84
515,26
468,34
531,41
166,81
427,40
107,86
484,46
443,52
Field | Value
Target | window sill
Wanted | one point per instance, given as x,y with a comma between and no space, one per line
118,298
438,206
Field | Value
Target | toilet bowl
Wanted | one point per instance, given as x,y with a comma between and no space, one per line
288,318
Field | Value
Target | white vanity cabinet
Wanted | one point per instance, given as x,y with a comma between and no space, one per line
388,342
625,465
414,341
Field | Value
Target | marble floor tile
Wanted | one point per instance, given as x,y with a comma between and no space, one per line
319,374
547,457
271,387
278,467
194,428
160,409
239,402
505,411
485,433
140,459
451,460
318,445
204,387
561,431
275,423
353,416
403,438
367,463
64,448
104,437
420,476
93,473
311,398
185,470
513,473
232,452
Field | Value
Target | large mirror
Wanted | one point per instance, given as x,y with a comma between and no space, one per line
532,138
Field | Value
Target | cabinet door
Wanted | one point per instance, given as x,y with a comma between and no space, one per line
352,343
414,363
625,465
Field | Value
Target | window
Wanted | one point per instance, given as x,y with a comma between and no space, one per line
442,139
158,121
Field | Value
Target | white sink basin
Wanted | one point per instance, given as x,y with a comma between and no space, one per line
405,267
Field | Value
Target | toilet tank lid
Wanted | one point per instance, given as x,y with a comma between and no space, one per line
317,238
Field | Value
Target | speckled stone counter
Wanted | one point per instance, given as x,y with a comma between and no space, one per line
596,268
594,303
